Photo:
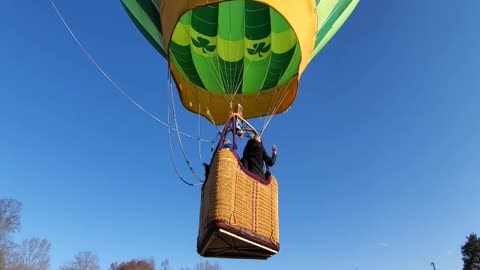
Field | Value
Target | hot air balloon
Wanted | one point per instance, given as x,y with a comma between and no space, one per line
232,61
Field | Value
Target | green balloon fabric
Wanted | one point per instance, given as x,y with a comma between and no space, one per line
235,47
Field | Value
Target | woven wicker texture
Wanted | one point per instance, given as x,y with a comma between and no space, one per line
232,196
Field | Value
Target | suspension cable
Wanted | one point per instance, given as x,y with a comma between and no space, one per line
277,106
187,161
104,73
199,134
172,155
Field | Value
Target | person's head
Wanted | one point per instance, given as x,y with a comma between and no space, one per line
227,143
257,138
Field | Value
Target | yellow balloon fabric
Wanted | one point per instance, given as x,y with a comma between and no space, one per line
223,53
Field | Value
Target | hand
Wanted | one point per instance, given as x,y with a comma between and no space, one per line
274,149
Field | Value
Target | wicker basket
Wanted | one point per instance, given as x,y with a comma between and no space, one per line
239,212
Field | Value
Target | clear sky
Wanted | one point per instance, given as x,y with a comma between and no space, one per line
379,157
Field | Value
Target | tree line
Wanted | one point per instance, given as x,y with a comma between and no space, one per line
34,253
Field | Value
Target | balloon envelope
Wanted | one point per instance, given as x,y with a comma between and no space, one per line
223,53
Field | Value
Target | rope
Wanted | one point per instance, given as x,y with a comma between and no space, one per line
170,86
171,153
102,71
275,108
199,134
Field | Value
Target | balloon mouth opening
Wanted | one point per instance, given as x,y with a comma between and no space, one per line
235,48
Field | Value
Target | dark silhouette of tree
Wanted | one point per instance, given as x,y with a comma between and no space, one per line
85,260
471,253
144,264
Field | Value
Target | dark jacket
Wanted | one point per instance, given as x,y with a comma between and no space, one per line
254,155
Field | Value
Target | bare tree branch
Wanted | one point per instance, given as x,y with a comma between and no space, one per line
85,260
165,265
9,224
207,266
9,217
32,254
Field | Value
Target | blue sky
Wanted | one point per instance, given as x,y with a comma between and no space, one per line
378,162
